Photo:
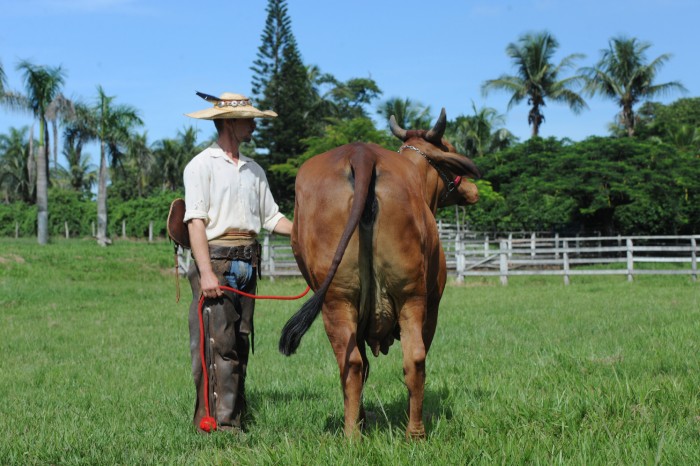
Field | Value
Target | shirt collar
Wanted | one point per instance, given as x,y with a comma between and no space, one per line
218,152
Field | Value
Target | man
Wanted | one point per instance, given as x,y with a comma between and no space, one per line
228,201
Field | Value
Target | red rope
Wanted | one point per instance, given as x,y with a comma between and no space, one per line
208,423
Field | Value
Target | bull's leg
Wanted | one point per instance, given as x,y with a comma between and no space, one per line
365,375
414,352
341,328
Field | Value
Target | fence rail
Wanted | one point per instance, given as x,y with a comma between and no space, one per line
470,254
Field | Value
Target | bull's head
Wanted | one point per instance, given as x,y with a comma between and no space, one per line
454,169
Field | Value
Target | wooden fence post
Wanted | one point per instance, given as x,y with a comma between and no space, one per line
486,246
266,254
510,244
533,249
271,259
503,254
123,229
65,226
630,260
566,263
694,258
459,258
93,230
16,230
556,245
150,231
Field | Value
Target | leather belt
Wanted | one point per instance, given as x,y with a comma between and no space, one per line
251,253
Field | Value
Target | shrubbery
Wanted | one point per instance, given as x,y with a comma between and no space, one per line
607,185
81,213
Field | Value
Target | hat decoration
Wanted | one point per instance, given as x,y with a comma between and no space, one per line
229,105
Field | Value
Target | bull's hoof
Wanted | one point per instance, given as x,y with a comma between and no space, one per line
415,433
354,434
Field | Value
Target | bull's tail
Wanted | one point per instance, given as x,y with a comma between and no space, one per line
363,166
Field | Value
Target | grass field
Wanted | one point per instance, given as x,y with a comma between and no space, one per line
95,370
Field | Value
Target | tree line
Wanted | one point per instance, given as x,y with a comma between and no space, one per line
641,178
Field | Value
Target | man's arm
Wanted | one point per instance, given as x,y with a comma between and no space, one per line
283,227
208,281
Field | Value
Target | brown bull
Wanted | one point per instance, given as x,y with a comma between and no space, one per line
376,209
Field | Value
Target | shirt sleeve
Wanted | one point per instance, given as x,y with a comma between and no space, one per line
270,211
196,179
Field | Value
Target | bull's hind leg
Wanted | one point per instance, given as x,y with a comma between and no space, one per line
414,353
340,321
365,374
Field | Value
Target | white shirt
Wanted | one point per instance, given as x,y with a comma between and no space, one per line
227,195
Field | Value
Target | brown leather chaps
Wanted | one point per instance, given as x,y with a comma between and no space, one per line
228,331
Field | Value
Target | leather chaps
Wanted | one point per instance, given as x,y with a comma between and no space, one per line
228,330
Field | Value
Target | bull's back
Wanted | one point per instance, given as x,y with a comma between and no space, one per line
402,226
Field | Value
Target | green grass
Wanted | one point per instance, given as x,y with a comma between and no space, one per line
95,370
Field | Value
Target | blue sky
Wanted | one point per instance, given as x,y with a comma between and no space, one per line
154,54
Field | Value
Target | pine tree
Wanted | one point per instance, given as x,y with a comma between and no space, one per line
280,83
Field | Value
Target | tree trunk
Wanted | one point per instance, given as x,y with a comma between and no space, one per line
628,119
47,155
54,126
31,166
535,119
42,197
102,239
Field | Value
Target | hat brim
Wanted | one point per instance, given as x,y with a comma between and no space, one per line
218,113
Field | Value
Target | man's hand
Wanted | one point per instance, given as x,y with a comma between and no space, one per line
208,282
210,285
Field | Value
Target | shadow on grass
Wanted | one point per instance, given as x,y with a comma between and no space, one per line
393,415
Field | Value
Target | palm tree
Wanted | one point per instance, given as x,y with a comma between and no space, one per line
537,78
140,158
478,134
114,124
623,75
685,137
3,82
15,181
79,131
173,154
80,174
43,85
321,107
408,114
59,109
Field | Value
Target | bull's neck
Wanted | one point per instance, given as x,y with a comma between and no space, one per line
432,185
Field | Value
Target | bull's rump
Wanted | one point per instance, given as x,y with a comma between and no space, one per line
398,248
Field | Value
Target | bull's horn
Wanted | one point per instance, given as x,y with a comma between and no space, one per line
396,130
435,134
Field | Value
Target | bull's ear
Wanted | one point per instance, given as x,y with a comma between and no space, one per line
458,164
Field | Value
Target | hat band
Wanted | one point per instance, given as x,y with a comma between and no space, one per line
233,103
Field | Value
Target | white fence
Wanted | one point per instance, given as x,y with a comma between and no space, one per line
567,257
470,254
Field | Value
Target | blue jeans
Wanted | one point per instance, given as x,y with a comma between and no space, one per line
239,275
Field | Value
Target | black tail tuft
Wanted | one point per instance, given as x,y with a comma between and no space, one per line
299,323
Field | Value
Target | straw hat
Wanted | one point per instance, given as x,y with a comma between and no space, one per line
229,105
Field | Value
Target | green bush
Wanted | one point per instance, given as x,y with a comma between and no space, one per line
138,213
81,214
70,207
17,215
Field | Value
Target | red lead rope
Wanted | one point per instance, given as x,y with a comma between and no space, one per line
208,423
